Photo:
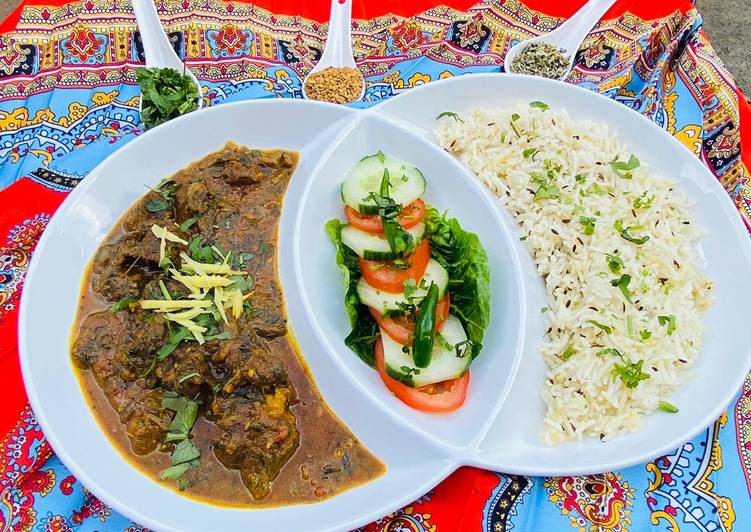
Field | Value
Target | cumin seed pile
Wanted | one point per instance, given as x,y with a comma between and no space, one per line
335,85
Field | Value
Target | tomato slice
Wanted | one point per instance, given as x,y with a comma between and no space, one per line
400,328
444,396
371,223
388,278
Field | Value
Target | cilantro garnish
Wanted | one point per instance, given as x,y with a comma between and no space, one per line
410,286
547,192
123,304
615,263
539,105
622,284
668,321
605,328
567,353
624,232
449,114
588,223
630,373
165,94
185,455
622,168
642,202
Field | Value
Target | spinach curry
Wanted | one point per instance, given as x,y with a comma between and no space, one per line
202,388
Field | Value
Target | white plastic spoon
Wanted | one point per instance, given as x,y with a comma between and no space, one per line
338,49
157,49
569,36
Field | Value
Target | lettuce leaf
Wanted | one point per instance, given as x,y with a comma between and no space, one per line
463,255
365,332
459,251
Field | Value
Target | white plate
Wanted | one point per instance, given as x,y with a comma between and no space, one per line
498,427
419,450
512,445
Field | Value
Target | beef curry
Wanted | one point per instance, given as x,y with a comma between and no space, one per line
204,390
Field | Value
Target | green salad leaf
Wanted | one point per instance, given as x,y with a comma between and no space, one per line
165,94
466,261
464,257
365,332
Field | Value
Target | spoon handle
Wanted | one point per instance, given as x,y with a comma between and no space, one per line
579,25
157,49
338,50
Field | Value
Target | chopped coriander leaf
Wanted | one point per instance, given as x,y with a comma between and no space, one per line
224,335
630,373
588,223
668,321
615,263
515,117
547,192
187,224
382,156
186,412
603,327
165,94
175,472
123,304
175,338
184,452
580,178
410,285
449,114
622,168
667,407
157,205
609,351
645,334
539,105
624,232
538,178
568,353
529,152
513,126
622,284
642,202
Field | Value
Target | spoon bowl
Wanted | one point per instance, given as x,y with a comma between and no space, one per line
567,37
337,52
157,49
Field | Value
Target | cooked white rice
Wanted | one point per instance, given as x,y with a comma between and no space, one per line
584,393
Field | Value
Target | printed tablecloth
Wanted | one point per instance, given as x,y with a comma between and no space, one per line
68,99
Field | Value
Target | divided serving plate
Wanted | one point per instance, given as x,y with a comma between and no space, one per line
498,426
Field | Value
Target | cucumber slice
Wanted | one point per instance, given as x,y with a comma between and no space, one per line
444,364
407,182
374,247
387,303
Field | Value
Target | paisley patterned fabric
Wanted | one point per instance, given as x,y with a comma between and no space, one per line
68,99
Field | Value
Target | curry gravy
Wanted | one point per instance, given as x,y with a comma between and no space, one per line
327,460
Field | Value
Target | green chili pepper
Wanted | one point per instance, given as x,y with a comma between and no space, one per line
422,349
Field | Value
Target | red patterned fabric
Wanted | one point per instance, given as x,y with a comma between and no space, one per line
459,503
